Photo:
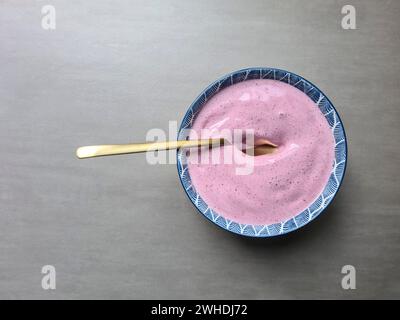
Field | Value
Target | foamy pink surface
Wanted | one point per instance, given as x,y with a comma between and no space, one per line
282,184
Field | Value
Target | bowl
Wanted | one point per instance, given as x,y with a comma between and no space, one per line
338,167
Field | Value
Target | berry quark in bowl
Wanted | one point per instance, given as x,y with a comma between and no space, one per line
270,194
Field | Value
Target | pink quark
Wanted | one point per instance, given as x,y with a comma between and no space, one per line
282,184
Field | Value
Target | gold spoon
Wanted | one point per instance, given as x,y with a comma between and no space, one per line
261,146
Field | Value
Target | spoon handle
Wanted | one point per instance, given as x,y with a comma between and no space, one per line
114,149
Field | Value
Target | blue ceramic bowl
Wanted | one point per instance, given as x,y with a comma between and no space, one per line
338,167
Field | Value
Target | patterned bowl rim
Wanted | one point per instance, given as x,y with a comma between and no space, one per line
276,229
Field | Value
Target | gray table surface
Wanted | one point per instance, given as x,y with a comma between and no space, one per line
117,227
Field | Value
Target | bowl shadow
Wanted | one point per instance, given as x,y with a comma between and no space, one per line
321,227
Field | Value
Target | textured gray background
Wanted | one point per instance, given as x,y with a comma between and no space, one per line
117,227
